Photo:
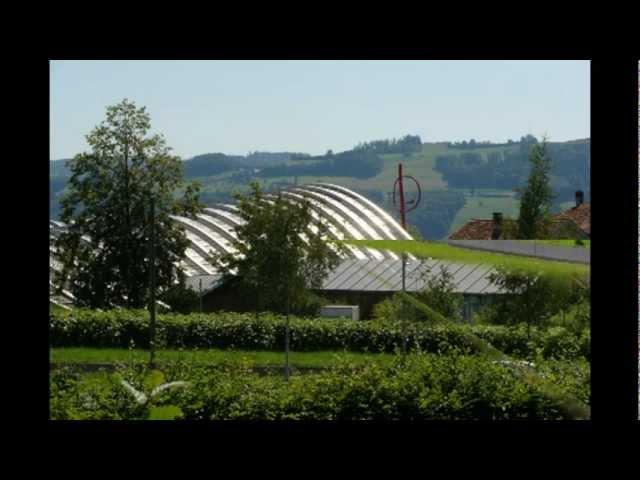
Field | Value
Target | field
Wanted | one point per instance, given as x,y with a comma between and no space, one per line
484,207
324,359
420,165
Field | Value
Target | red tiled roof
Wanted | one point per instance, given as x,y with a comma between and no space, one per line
580,215
480,229
474,229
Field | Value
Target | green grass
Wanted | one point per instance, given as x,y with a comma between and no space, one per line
212,356
563,243
56,308
560,270
483,207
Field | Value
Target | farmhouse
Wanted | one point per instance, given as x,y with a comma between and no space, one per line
574,223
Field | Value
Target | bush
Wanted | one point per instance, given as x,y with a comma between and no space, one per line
417,388
576,319
181,299
124,328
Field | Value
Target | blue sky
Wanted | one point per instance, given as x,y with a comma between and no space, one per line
235,107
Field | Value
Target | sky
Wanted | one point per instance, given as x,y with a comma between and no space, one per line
237,107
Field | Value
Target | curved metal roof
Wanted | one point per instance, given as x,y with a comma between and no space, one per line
347,214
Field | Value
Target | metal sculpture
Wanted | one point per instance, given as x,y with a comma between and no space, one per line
398,187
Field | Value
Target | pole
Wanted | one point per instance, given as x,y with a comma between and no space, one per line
200,287
402,216
152,306
404,227
287,308
286,338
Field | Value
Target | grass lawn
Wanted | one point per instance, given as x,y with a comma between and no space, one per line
213,356
563,243
421,249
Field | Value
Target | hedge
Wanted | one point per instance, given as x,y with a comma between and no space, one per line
420,387
125,328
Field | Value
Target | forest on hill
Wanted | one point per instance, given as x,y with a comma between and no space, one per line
461,180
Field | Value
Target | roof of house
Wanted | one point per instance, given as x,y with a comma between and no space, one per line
474,229
481,229
580,215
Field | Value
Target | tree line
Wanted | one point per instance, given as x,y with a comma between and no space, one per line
406,145
352,163
472,144
508,169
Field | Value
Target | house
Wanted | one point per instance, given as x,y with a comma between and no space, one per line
574,223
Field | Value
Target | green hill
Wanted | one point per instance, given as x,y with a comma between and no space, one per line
459,181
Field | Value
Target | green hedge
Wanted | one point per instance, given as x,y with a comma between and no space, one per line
124,328
424,387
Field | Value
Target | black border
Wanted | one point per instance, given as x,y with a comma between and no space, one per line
614,173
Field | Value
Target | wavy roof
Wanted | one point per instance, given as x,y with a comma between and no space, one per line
347,213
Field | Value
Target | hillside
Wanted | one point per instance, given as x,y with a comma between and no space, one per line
459,181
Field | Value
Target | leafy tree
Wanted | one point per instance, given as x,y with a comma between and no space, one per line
281,252
536,196
439,293
105,252
181,299
529,298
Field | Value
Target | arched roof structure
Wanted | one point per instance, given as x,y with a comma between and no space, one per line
347,214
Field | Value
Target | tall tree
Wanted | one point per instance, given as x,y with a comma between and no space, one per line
105,252
281,252
537,196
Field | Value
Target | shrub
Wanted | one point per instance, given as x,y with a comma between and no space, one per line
419,387
126,328
575,319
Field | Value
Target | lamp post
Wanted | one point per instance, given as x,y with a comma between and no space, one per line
152,283
287,307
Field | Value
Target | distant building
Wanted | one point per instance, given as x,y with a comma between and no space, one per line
365,275
574,223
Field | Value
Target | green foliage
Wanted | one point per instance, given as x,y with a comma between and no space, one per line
209,356
209,164
121,328
278,257
181,299
534,299
107,202
505,166
418,387
537,196
358,164
439,292
168,412
435,213
576,318
405,145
